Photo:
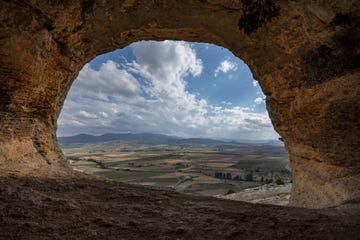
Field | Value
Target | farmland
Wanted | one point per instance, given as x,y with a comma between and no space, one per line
190,167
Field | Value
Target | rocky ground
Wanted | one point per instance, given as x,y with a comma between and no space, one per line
84,207
265,194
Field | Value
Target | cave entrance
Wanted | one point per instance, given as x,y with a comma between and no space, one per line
46,43
179,115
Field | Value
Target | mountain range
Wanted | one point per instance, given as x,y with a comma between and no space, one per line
151,138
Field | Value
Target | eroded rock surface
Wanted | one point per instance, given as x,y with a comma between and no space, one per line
89,208
44,44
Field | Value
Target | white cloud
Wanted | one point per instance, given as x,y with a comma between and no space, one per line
167,60
85,114
103,114
259,100
226,103
225,66
237,122
110,99
108,80
255,83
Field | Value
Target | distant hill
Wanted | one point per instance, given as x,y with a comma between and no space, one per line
260,142
206,141
150,138
138,138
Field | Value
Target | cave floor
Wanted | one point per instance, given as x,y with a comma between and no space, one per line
84,207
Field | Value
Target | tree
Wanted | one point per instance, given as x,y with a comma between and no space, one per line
230,191
279,181
218,174
268,181
228,176
249,177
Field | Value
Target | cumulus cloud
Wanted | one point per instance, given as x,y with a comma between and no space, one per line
259,100
111,99
85,114
103,114
255,83
109,80
226,103
167,60
225,66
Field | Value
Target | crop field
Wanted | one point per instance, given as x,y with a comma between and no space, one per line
195,169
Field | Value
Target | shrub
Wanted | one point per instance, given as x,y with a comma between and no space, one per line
256,13
268,181
249,177
320,65
279,181
230,191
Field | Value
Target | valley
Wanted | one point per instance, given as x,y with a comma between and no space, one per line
194,166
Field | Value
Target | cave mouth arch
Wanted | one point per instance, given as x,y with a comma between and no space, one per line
200,95
44,47
197,80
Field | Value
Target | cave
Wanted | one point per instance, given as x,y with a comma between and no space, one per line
315,108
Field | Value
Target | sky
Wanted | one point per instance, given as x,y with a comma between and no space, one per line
171,87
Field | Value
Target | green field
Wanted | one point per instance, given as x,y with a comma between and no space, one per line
194,169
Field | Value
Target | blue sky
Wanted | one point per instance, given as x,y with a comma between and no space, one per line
170,87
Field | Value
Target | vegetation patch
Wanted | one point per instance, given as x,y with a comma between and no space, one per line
88,6
50,27
230,191
320,65
327,62
279,181
58,2
257,13
207,169
64,48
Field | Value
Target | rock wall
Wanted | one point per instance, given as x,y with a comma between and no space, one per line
44,44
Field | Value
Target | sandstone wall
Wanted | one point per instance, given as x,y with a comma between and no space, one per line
44,44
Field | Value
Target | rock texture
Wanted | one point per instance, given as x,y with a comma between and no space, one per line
89,208
265,194
44,44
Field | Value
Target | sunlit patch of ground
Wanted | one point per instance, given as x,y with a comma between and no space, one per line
192,170
265,194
